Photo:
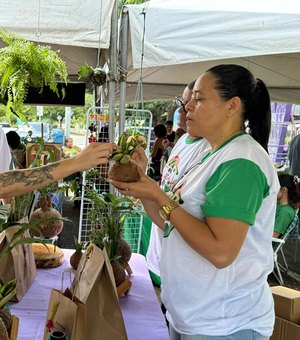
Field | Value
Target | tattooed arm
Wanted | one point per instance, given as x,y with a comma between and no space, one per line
17,182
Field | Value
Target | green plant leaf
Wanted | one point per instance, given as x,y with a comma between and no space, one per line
24,64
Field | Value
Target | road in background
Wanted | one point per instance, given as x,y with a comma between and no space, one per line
78,138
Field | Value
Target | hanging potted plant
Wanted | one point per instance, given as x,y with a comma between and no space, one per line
97,76
24,64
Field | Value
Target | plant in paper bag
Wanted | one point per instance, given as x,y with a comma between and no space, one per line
8,289
107,217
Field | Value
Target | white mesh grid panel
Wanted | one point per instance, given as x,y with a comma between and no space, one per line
97,128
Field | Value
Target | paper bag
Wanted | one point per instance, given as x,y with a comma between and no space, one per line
90,310
19,263
94,286
67,314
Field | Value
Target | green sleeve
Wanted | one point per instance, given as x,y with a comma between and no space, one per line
236,190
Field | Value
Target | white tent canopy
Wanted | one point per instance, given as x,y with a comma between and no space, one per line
184,38
77,28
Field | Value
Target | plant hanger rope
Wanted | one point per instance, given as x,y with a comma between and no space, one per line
100,30
139,91
38,32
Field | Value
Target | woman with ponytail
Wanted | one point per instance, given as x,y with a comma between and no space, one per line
218,217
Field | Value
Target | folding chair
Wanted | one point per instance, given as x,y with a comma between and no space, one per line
278,244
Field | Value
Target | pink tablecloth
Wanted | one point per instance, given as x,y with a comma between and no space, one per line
140,308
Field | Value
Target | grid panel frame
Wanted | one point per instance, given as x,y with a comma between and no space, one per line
97,127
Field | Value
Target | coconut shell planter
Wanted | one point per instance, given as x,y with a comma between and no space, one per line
124,169
76,256
50,224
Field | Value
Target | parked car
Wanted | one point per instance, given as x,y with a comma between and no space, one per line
36,129
6,127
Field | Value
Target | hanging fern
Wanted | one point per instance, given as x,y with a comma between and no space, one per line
24,64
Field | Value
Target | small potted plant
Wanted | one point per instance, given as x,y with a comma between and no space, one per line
50,220
24,64
76,256
124,170
107,217
96,76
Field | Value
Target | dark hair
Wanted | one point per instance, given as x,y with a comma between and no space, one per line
67,139
169,122
291,183
160,130
237,81
103,134
13,139
190,85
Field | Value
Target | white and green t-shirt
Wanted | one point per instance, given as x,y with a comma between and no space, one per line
184,155
237,181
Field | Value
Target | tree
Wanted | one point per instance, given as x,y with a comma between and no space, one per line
157,108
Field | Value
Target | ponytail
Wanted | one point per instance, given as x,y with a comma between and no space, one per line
237,81
258,114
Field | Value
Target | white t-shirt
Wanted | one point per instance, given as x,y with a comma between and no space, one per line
237,181
185,153
5,154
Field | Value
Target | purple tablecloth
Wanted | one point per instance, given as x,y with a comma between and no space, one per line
140,308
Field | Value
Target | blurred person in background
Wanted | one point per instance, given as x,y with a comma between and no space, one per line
18,155
160,132
170,133
294,156
288,201
70,150
6,162
186,148
185,98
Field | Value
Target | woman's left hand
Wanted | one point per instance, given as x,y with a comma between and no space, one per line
145,188
139,157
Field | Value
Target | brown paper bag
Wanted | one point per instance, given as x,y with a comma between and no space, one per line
94,286
19,263
67,314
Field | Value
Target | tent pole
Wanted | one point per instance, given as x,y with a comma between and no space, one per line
123,66
113,71
113,76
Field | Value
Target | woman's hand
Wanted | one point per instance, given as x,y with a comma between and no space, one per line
93,155
145,188
140,158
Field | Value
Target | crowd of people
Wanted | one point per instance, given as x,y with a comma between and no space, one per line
214,208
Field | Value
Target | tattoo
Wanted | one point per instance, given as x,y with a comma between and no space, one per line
29,177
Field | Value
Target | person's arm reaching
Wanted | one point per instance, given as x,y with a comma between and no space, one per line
17,182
